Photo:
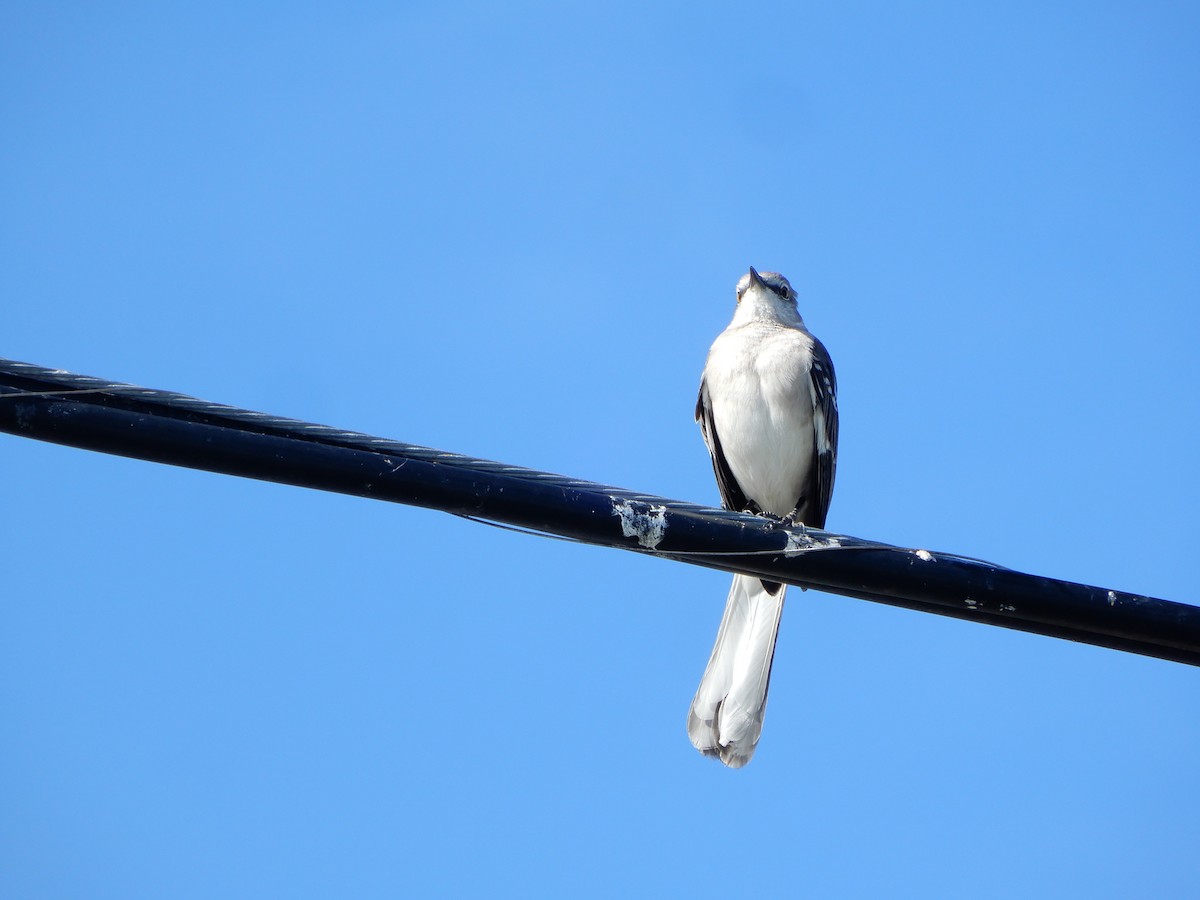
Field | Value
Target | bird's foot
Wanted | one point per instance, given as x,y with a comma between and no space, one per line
789,521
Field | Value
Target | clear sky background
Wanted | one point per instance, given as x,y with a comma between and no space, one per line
513,230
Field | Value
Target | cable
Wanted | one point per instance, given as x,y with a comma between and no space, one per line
80,411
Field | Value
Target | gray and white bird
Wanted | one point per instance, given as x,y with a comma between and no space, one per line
768,413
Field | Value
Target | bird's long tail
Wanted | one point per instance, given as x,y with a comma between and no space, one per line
727,712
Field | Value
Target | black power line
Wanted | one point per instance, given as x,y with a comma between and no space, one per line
80,411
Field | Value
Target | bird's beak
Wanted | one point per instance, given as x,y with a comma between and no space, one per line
755,279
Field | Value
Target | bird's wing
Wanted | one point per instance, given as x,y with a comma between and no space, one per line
732,495
823,387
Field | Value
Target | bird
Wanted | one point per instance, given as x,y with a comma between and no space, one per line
768,413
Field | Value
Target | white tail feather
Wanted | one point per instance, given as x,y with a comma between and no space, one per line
727,712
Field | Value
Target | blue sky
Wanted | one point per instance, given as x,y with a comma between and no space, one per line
512,231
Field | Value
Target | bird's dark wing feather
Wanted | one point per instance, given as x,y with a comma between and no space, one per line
732,495
813,504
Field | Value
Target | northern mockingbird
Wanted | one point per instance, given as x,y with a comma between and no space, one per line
768,413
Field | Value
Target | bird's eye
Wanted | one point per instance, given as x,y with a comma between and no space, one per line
785,292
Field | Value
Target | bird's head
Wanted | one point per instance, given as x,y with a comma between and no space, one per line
767,293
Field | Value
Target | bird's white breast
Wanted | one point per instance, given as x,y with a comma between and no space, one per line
759,387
